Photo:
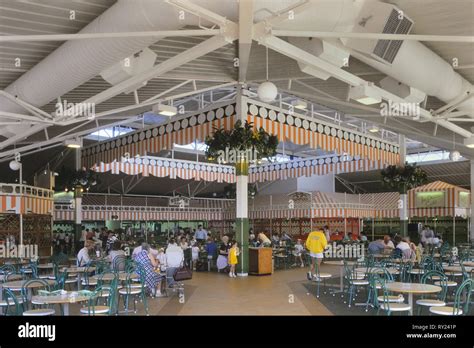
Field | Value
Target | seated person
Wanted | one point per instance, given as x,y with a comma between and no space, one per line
363,237
275,239
83,257
117,252
388,242
174,260
148,264
376,247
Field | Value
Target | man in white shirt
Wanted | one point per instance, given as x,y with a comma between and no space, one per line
174,260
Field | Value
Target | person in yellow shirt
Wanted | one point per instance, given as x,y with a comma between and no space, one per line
316,243
233,260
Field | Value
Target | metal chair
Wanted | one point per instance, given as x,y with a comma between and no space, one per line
388,302
464,290
440,299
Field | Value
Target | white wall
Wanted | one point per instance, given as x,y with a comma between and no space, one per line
283,186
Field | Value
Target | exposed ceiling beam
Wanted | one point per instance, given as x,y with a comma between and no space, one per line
373,36
245,36
79,36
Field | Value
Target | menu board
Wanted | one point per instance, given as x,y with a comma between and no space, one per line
433,199
464,199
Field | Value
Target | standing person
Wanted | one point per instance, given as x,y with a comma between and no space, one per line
67,243
222,259
200,234
315,243
263,240
83,237
195,254
211,249
298,253
327,232
233,260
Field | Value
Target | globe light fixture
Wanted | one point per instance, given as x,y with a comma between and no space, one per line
267,92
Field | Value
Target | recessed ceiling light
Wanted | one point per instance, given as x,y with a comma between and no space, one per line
73,143
299,104
165,110
364,94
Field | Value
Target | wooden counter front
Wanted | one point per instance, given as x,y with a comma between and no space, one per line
260,261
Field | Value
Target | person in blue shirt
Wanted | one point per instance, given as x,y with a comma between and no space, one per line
376,247
211,250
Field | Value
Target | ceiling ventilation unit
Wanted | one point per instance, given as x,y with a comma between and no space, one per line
383,18
129,67
324,50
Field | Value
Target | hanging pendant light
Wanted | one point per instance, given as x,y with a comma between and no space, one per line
454,155
267,91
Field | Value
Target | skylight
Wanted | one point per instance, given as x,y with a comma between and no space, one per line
108,133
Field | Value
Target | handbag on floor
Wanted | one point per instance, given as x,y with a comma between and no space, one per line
182,273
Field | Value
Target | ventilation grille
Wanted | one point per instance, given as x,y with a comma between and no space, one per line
388,49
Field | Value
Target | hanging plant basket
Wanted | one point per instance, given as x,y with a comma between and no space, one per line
403,178
240,146
76,180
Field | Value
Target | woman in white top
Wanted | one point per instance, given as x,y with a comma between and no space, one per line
83,257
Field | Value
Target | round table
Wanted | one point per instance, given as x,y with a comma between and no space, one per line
79,271
110,276
378,270
11,277
468,263
63,299
457,269
18,285
412,288
340,263
45,266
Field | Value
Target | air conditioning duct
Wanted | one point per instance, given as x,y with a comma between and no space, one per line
322,49
130,66
376,17
410,94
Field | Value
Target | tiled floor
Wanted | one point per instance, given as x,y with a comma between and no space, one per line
282,293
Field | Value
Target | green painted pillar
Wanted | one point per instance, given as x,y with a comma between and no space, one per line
242,237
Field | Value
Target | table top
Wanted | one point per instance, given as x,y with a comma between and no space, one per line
468,263
457,268
380,256
79,269
377,270
68,297
18,284
11,277
45,266
110,276
339,263
415,288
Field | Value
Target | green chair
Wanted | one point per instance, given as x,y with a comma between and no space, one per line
93,308
86,280
12,304
131,290
405,271
464,290
41,309
439,301
353,281
386,301
319,278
